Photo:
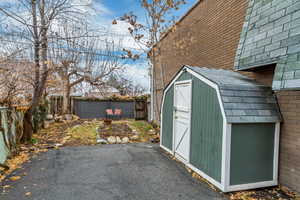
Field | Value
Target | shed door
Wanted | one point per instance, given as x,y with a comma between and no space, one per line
182,113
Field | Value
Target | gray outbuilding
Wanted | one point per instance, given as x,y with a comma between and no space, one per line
224,126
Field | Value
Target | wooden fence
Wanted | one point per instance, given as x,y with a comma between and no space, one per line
11,129
95,108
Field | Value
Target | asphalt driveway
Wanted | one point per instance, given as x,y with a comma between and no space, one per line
107,172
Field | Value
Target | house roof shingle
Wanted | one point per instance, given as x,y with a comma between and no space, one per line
244,100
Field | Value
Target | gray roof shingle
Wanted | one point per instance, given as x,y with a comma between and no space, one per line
244,100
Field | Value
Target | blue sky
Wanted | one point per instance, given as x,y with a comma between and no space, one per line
107,10
119,7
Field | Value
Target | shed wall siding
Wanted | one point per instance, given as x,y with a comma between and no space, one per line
206,128
252,153
167,122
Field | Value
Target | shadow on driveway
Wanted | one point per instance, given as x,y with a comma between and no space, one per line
107,172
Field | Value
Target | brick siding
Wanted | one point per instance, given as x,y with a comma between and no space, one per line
208,36
289,163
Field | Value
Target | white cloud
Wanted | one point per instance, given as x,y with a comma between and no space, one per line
138,73
120,30
101,9
118,33
91,7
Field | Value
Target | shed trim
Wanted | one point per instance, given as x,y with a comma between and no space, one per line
204,175
190,117
276,151
226,151
161,109
166,149
251,186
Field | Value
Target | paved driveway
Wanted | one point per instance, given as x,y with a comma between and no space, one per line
108,172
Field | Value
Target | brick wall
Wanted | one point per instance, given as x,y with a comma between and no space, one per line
289,163
208,37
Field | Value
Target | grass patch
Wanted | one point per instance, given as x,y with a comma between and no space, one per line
143,128
84,134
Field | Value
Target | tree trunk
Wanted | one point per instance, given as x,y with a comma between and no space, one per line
40,56
27,126
66,97
27,121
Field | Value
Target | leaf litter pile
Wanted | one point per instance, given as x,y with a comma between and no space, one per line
272,193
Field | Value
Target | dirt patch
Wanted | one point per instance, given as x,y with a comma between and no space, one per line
136,131
115,129
56,133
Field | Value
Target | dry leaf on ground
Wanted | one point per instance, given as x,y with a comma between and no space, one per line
15,178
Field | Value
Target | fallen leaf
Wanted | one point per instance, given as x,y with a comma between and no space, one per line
15,178
27,193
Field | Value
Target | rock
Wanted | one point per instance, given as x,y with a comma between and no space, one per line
155,140
49,117
118,139
134,137
75,117
134,131
152,132
112,140
58,118
98,129
125,140
101,141
47,123
68,117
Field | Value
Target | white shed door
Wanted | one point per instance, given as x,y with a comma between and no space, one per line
182,112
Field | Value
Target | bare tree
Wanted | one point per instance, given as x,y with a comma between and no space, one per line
159,18
16,81
33,21
81,56
125,86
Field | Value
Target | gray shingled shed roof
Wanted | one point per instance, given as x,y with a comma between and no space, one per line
244,100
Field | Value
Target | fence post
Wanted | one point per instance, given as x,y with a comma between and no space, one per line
4,151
